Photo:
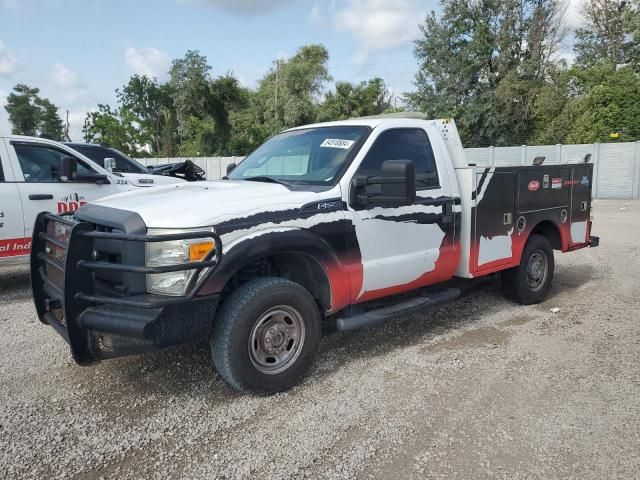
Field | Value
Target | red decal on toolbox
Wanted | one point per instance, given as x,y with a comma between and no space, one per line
534,185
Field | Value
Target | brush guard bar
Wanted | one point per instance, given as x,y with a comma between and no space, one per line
97,326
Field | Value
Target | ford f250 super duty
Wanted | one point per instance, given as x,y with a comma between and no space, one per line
317,221
30,182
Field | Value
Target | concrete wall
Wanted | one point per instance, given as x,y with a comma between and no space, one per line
616,165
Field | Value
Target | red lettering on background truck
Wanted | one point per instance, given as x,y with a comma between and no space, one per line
15,247
64,207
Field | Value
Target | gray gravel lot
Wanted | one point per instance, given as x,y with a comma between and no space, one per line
479,388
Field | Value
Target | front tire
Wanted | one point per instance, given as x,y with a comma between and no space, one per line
529,282
266,335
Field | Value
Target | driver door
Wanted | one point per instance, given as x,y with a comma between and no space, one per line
41,189
410,246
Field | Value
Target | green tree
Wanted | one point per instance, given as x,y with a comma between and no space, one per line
586,105
349,100
189,82
483,63
147,102
32,115
109,126
24,114
50,123
609,33
288,95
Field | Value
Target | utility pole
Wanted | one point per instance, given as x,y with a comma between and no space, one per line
66,128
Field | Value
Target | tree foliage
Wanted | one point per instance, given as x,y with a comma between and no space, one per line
112,127
495,66
484,62
349,100
608,36
30,114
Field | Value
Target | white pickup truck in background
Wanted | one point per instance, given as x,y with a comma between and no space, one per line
30,183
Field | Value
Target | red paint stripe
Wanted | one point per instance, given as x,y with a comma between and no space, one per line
14,247
444,269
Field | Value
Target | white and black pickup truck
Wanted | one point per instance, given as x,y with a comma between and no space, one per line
316,222
30,182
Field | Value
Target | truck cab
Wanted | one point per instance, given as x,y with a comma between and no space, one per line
30,183
310,227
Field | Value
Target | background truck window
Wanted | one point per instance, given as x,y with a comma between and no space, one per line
1,171
403,144
98,154
40,163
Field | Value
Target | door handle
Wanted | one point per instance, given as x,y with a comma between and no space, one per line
41,196
447,213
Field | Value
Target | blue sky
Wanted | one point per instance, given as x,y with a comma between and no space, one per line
79,51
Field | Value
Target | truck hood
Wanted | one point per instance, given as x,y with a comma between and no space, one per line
205,204
148,180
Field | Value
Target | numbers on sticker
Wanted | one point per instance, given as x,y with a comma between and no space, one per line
337,143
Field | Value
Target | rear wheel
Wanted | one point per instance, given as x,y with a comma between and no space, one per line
529,282
265,335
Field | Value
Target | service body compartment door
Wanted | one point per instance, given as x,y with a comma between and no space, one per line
543,188
581,181
13,243
493,219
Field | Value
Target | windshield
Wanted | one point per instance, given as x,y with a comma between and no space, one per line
313,156
123,163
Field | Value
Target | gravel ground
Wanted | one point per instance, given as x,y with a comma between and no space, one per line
479,388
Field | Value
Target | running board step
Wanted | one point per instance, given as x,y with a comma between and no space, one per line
381,315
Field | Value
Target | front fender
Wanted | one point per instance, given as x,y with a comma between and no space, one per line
261,244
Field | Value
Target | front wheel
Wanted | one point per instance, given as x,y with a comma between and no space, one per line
529,282
265,335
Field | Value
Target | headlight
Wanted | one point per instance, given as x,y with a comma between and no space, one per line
177,252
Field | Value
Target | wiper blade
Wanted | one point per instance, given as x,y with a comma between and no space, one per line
267,179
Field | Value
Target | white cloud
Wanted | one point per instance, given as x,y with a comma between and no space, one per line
7,60
315,17
147,61
64,78
380,24
574,17
76,122
241,7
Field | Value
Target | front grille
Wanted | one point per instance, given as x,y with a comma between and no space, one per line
55,249
59,231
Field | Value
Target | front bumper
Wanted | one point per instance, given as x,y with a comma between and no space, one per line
65,276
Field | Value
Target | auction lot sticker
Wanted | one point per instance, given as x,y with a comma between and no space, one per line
337,143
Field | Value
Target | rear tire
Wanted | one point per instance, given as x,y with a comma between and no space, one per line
529,282
265,335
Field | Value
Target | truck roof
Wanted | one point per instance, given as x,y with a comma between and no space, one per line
29,138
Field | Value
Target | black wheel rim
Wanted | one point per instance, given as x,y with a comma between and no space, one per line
537,270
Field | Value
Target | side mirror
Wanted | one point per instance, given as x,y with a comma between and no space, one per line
231,167
587,158
68,169
395,186
110,164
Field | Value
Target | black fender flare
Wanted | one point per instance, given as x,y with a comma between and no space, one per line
271,243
